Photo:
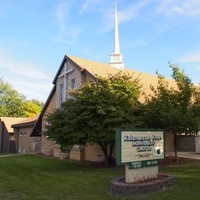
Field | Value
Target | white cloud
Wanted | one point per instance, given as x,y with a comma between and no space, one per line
90,5
27,78
140,9
192,57
67,31
132,11
61,14
32,90
183,7
7,63
129,13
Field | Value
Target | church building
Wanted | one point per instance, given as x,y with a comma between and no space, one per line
72,73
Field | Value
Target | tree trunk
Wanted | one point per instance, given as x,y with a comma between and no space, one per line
105,152
107,155
111,151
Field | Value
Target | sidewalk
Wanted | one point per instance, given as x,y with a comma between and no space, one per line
11,154
191,155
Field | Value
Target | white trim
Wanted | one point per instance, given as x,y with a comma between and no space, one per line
67,72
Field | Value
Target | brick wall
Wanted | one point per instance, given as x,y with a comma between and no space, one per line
189,143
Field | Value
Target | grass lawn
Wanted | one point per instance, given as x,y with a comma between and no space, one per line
33,177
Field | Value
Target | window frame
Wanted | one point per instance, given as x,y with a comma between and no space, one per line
21,133
73,83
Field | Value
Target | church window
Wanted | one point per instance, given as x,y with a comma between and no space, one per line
21,133
61,94
73,83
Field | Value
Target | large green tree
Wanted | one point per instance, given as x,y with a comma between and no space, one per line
96,110
14,104
175,109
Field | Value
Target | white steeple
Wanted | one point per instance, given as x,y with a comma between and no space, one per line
116,56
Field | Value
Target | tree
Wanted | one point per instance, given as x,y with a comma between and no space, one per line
174,109
32,108
96,110
14,104
11,102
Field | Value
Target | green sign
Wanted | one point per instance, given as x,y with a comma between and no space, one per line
140,164
137,146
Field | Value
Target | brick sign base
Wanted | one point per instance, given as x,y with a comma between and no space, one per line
119,187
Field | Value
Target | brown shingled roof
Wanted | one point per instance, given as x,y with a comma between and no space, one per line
101,69
8,121
27,121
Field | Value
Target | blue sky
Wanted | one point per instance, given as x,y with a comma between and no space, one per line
36,34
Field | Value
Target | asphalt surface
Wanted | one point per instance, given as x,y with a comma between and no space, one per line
191,155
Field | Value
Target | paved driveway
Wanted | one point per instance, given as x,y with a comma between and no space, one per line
192,155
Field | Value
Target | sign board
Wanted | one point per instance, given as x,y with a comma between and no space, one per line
140,164
137,146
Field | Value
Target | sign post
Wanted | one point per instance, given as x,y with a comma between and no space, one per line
139,151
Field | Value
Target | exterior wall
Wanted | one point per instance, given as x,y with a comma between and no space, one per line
56,151
4,139
66,81
77,152
49,147
27,144
46,145
169,141
16,136
197,143
85,78
190,143
12,137
93,153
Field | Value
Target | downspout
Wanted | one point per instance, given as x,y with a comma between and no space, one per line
17,142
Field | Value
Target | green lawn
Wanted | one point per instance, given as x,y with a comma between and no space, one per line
35,177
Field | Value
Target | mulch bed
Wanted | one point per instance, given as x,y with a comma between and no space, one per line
159,177
172,160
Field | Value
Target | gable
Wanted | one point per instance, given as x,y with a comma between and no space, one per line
101,69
